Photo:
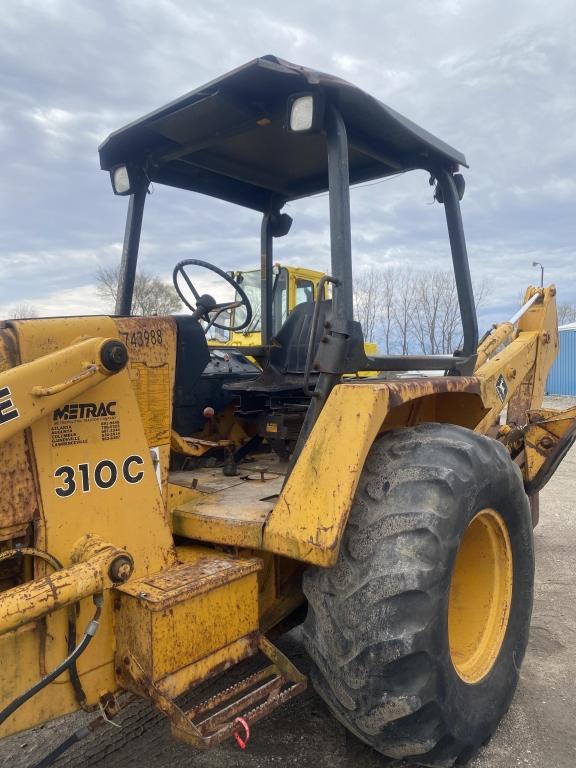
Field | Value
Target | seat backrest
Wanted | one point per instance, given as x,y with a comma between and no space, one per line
192,357
294,335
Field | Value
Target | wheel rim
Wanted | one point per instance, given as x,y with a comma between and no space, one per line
480,596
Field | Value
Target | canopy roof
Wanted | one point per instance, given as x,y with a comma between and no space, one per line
229,138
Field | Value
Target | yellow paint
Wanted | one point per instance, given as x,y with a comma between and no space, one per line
480,596
499,335
198,524
179,494
232,514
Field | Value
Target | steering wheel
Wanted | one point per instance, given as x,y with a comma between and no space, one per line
206,307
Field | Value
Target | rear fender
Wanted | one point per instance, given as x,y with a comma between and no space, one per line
310,515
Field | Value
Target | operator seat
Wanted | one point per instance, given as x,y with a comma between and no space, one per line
286,364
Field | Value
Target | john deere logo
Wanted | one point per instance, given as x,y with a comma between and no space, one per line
75,411
501,388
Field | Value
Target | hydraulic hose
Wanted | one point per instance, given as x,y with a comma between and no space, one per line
80,734
89,633
77,736
33,552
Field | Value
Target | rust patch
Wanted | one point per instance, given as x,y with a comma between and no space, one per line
402,390
18,497
521,400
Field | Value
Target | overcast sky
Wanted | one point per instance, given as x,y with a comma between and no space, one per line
495,79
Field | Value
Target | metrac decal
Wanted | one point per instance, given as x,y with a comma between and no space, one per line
79,411
103,475
8,410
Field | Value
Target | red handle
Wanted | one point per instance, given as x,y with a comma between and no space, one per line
239,740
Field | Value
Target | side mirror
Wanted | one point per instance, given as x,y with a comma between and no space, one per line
460,183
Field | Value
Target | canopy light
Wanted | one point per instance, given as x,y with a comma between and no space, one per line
306,112
126,179
121,181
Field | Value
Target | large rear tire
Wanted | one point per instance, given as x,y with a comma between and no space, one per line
418,632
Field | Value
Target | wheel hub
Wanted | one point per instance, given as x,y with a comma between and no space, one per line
480,596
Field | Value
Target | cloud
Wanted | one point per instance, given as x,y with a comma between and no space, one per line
494,79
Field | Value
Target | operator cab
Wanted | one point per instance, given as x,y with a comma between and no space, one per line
263,135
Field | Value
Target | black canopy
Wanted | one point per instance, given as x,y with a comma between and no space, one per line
229,139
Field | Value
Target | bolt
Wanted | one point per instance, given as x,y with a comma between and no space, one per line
121,568
142,594
546,442
113,356
546,337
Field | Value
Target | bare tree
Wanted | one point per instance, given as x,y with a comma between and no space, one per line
430,302
386,320
22,311
402,309
152,296
367,300
436,322
373,303
566,313
411,311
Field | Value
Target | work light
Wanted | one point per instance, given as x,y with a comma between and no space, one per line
121,180
305,112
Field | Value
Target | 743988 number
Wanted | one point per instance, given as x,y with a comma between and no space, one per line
144,338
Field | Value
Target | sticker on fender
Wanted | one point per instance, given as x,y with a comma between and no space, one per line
104,475
8,410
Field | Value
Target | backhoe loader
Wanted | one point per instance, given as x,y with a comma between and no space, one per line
165,504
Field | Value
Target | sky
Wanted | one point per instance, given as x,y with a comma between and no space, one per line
496,80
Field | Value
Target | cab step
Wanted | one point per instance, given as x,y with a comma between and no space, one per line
235,709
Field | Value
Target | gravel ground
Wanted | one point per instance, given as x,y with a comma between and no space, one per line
538,732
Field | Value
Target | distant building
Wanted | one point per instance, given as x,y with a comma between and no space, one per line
562,377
